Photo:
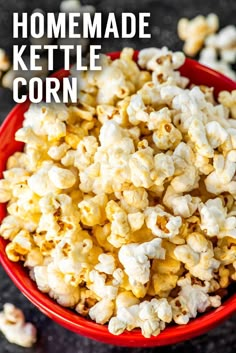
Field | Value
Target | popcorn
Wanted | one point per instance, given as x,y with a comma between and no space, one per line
145,315
226,38
141,163
120,229
5,191
136,110
125,299
135,259
58,152
98,286
195,31
106,264
163,168
161,223
198,257
162,284
92,210
10,226
219,51
214,220
40,183
181,205
14,327
229,100
208,57
137,198
154,59
64,293
19,247
166,136
197,135
102,311
61,178
191,300
122,205
136,220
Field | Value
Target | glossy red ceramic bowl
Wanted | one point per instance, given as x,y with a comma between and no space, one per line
198,74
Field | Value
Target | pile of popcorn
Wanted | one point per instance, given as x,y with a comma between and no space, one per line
122,206
219,52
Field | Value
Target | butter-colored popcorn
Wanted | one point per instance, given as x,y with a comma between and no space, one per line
229,100
194,31
198,257
93,210
34,258
167,136
162,284
102,311
20,246
86,301
101,234
14,327
162,224
16,176
137,197
224,274
75,255
5,191
225,252
17,160
125,299
120,229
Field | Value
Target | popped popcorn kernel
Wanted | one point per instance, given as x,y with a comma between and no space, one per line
194,31
14,327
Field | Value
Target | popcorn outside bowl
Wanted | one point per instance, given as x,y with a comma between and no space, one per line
197,74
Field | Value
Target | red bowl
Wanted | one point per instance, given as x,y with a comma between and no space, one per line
197,74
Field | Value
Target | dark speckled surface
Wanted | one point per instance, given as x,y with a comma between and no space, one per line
165,14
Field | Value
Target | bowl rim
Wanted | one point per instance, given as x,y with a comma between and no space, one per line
74,321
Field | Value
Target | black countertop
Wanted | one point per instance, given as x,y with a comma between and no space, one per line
164,17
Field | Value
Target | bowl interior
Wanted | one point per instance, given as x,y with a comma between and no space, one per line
197,74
